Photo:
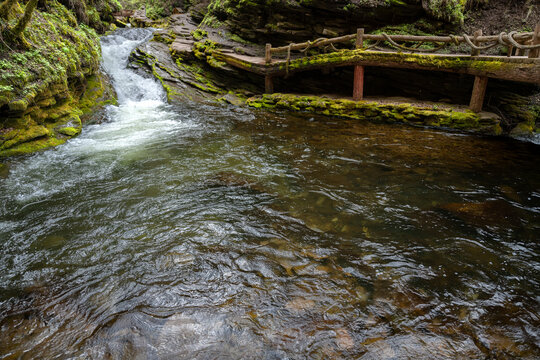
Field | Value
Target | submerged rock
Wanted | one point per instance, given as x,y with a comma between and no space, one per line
344,339
488,213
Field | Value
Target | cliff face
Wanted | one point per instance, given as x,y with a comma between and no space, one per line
44,85
286,20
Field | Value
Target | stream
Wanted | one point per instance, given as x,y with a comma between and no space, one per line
200,231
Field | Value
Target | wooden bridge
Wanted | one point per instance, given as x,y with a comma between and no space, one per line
522,62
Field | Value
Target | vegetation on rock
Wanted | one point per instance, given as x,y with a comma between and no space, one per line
386,112
43,70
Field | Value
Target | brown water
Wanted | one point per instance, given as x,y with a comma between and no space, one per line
212,232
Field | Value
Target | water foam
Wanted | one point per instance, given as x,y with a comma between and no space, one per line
141,119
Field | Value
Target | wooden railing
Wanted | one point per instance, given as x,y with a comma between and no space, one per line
517,44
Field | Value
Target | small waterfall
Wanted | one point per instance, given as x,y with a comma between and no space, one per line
141,119
130,87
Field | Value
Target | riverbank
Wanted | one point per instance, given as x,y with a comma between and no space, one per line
403,111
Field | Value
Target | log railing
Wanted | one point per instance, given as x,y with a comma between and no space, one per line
517,43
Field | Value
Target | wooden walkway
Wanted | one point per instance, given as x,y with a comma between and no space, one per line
523,67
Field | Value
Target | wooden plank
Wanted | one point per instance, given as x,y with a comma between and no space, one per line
478,93
358,87
476,34
268,84
534,53
268,53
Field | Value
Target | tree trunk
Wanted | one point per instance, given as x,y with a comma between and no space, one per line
5,7
21,25
17,32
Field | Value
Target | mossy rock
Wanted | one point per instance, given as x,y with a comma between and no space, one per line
69,131
32,146
400,113
24,135
522,129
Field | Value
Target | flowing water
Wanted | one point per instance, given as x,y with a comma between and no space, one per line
214,232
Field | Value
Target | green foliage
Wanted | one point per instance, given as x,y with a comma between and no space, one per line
59,50
199,34
155,9
447,10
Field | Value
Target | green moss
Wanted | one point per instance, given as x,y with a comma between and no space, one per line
61,50
23,135
33,146
199,34
98,93
41,85
522,129
69,131
403,113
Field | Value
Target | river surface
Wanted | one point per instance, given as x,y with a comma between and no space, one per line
213,232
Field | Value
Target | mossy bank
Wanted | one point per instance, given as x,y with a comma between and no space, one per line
424,115
49,82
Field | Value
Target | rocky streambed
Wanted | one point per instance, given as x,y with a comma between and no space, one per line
204,230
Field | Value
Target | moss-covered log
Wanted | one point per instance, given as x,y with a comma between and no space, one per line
5,8
18,31
514,69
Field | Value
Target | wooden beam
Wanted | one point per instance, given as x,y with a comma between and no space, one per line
358,86
512,69
476,34
478,93
534,53
268,84
268,53
359,38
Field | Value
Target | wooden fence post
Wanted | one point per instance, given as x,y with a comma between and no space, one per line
534,53
359,38
268,54
268,84
358,85
476,34
478,93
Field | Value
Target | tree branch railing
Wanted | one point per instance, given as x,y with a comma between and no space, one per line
521,42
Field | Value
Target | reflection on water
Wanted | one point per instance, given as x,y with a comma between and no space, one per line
224,233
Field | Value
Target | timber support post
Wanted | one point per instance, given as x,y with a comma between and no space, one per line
534,53
478,93
358,85
268,53
476,34
268,84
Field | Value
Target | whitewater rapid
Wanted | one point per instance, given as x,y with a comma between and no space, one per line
142,117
